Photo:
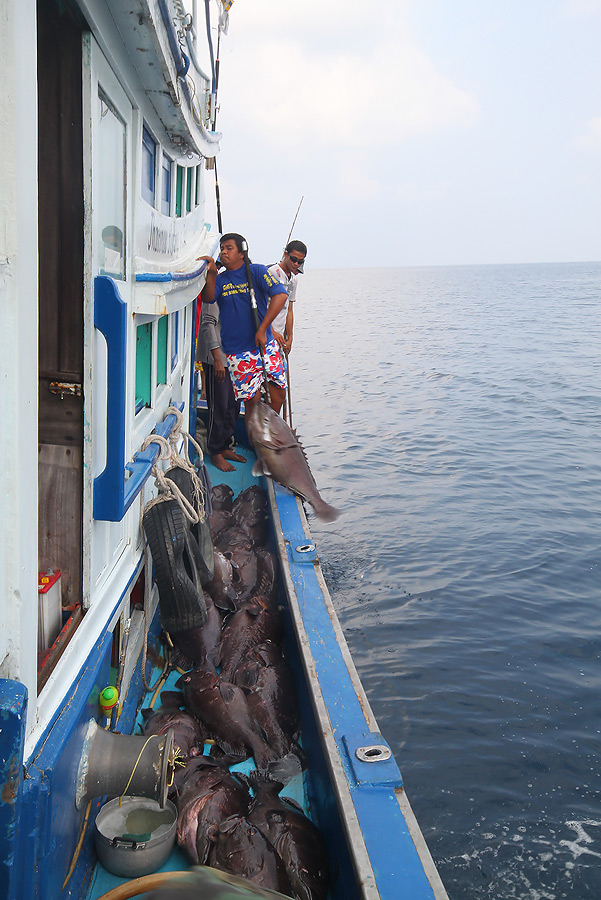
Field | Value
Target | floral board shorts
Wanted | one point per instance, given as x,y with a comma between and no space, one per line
246,370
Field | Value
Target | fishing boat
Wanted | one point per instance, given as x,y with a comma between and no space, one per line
109,130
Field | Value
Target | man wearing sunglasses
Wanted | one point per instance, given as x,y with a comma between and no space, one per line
287,272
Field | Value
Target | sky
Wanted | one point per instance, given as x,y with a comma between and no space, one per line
417,132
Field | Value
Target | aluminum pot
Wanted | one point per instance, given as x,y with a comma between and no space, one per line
134,835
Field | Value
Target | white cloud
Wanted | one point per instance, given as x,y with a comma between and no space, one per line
582,7
354,180
592,138
307,76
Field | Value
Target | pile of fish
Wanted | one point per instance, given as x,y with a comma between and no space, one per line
238,692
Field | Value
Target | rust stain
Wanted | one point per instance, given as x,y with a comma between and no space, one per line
9,788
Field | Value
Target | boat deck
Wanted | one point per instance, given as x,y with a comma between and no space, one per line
353,789
104,881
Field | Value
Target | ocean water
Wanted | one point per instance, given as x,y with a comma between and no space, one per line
454,415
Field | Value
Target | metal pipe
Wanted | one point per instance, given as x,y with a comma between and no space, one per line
194,58
181,62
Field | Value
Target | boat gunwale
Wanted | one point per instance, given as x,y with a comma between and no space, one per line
365,876
359,852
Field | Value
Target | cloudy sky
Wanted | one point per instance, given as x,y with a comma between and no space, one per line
419,132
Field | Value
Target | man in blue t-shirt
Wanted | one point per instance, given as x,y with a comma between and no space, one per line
240,338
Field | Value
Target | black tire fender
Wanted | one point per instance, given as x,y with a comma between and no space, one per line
200,532
181,600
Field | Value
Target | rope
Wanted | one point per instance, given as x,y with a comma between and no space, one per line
194,511
82,832
141,885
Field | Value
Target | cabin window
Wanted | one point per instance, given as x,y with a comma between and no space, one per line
143,366
166,186
162,329
149,155
111,190
198,185
179,191
189,188
174,338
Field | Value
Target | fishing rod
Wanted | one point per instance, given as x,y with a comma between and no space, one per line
287,359
294,220
214,111
288,388
253,303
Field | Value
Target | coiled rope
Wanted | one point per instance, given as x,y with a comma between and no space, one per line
167,489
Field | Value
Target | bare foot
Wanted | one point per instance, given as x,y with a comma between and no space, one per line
235,457
220,463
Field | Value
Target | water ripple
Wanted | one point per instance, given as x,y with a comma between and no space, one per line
465,453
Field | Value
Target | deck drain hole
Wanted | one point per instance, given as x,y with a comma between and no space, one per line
375,753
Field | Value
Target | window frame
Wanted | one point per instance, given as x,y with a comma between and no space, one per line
166,169
149,144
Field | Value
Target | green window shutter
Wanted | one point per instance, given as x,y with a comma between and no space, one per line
162,350
143,366
179,191
189,179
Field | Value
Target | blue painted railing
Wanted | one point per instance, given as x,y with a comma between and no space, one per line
143,461
162,277
172,276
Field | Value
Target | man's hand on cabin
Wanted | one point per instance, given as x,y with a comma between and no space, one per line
212,266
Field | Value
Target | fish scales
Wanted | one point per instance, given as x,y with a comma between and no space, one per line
280,455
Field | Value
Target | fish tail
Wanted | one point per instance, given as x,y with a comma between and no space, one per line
325,512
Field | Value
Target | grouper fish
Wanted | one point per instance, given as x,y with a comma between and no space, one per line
294,837
242,850
281,456
223,710
209,794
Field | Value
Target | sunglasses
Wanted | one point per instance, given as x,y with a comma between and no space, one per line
296,260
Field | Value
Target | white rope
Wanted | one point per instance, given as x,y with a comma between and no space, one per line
178,431
167,489
177,434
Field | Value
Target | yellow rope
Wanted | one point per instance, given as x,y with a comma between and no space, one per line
147,741
82,832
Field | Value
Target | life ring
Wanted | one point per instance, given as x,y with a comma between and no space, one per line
140,885
201,532
176,573
199,881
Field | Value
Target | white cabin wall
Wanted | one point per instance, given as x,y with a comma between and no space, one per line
18,345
